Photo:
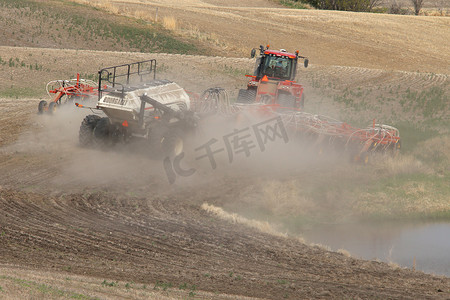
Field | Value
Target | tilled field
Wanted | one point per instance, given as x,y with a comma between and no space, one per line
169,238
112,217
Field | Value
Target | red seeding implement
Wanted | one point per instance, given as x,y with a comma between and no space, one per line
327,133
317,132
323,133
67,91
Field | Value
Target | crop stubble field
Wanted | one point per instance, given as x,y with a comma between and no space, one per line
86,223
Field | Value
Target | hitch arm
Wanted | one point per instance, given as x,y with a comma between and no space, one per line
146,99
155,104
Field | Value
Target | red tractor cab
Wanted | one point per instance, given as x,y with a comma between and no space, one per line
273,81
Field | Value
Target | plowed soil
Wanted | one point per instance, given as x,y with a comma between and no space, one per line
89,223
112,215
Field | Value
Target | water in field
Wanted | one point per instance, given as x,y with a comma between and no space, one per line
425,244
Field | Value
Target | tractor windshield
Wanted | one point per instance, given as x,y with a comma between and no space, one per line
277,67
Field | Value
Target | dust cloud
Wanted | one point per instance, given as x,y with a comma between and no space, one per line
65,165
272,184
272,177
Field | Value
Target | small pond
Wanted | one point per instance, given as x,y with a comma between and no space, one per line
425,244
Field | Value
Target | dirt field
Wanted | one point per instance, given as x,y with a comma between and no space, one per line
84,223
115,218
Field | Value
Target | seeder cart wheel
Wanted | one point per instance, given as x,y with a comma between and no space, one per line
42,107
101,133
86,135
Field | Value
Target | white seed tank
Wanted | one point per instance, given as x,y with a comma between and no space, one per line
120,105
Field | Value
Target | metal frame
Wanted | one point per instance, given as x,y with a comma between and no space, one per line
112,75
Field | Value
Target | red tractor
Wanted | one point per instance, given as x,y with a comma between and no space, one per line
273,81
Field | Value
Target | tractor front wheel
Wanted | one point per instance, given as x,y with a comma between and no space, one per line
246,96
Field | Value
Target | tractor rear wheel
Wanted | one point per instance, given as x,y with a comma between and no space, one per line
286,100
42,107
86,135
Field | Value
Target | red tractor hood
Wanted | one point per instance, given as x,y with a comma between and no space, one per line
280,53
